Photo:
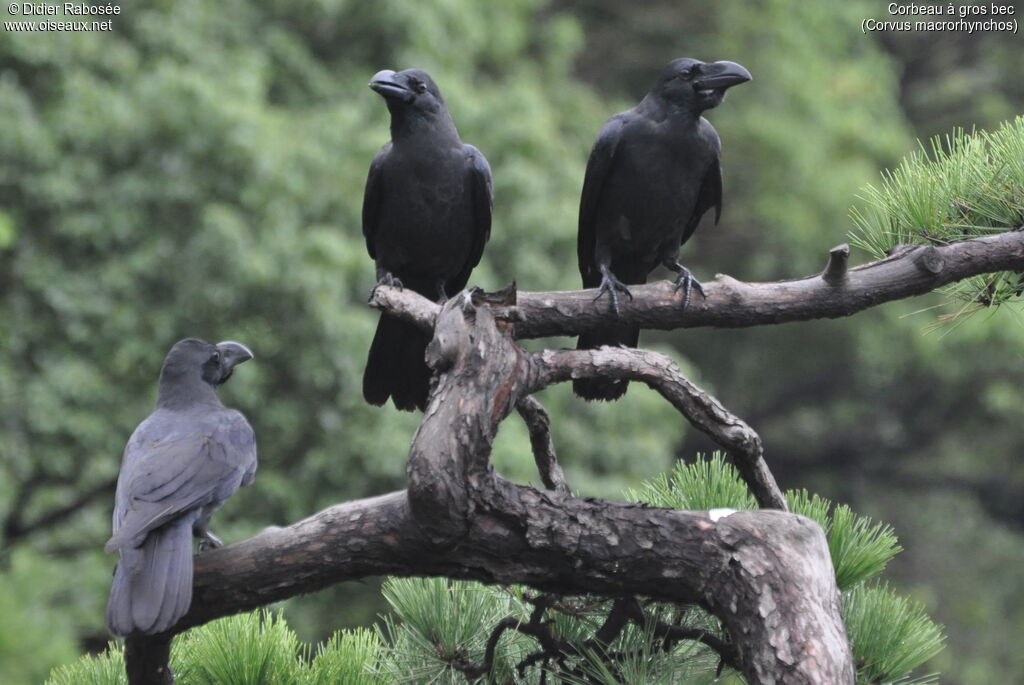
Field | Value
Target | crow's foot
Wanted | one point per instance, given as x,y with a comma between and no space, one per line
209,541
386,278
685,281
611,285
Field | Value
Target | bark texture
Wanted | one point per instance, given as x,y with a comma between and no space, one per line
765,574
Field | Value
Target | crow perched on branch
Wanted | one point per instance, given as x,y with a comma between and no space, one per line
180,464
426,217
652,174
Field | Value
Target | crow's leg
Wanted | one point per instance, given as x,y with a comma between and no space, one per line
685,280
209,541
201,530
610,284
385,277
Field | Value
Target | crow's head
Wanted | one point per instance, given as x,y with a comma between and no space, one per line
191,361
696,86
409,91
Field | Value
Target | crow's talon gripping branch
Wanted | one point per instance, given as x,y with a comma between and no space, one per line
686,282
209,541
610,284
390,279
386,278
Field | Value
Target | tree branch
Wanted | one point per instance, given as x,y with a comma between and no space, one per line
662,374
16,528
734,304
538,423
836,292
766,575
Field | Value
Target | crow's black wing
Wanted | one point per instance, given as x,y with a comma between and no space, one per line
599,165
372,197
481,194
710,196
174,463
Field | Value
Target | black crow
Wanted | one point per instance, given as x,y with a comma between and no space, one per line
426,217
180,464
652,174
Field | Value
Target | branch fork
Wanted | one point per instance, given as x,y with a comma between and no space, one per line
765,574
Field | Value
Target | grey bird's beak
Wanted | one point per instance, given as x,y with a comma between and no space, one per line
233,353
721,75
385,84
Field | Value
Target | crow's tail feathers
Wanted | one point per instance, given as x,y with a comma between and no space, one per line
395,367
153,583
592,389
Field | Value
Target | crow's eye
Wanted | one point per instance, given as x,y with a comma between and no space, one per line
215,358
685,73
417,85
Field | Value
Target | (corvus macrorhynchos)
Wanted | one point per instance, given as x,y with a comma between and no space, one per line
652,174
426,217
180,464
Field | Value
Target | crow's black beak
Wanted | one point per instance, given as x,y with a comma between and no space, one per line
720,75
232,354
385,84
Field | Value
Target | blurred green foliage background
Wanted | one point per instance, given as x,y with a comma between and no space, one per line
199,171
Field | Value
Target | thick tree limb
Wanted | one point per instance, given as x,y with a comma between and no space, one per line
738,567
662,374
836,292
766,575
733,304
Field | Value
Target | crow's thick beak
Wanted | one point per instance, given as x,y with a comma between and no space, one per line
721,75
385,84
232,354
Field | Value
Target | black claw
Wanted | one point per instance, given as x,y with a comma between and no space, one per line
441,294
386,278
687,282
610,284
209,541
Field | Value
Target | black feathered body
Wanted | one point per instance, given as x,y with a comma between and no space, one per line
425,226
651,176
426,218
180,464
650,200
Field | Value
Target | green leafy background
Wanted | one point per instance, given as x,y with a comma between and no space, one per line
199,169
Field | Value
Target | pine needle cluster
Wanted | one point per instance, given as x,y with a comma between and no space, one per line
959,187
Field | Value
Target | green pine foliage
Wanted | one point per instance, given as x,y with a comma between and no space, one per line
860,550
962,186
644,661
106,668
349,658
704,484
257,648
439,624
890,634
